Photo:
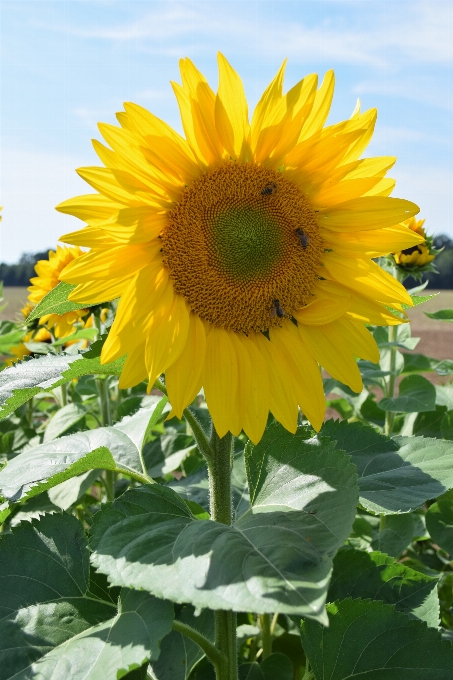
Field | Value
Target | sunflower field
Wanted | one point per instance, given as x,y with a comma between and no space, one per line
175,504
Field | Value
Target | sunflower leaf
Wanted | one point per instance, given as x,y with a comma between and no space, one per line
25,379
275,557
50,624
110,448
416,395
378,577
368,640
56,302
395,475
441,315
439,522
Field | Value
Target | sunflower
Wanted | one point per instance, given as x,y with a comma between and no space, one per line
20,350
242,253
48,272
418,255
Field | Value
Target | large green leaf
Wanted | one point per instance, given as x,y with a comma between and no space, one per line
63,420
371,641
275,557
395,475
378,577
395,533
111,448
178,654
439,522
416,395
419,363
56,302
25,379
52,627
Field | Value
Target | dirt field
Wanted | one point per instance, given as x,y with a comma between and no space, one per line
436,337
16,298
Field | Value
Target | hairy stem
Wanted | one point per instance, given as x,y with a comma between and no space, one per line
104,407
211,651
220,499
266,635
389,415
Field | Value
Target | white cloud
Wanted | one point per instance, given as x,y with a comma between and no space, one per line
32,185
412,87
414,32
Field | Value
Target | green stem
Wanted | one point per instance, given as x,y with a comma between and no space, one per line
220,499
64,394
198,432
266,635
389,415
104,404
211,651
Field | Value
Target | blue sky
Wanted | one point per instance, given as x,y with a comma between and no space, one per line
68,64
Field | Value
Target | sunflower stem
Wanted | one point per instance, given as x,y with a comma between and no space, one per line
104,407
389,415
266,634
220,499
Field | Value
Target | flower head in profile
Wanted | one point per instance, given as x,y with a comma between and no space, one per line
243,252
418,257
48,272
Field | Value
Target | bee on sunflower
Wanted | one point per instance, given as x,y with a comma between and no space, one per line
243,252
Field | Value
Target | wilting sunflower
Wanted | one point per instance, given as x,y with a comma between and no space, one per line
420,255
242,253
48,272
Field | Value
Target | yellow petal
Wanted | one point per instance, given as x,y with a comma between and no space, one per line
95,292
360,309
321,312
265,110
231,111
361,341
369,212
166,339
331,194
135,225
330,347
282,400
184,377
220,378
90,237
321,107
307,381
163,143
134,369
116,262
90,206
372,243
237,416
121,187
257,407
370,167
367,121
366,278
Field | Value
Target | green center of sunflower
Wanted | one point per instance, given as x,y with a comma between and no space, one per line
243,247
247,241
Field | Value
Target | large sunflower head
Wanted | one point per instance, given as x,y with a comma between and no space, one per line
48,273
242,252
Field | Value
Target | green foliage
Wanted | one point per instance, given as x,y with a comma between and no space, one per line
209,564
56,302
369,640
112,566
52,626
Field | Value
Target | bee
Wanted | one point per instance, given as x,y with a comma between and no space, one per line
303,238
269,189
277,310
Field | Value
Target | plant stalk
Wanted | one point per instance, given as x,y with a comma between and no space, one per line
220,499
106,419
390,415
266,635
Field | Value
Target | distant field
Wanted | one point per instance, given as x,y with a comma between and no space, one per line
436,337
16,298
